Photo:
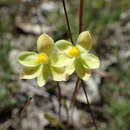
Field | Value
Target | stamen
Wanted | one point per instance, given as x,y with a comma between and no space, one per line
74,51
42,58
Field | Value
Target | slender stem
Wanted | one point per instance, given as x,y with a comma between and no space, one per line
67,113
67,21
77,86
81,16
80,30
90,109
78,82
59,100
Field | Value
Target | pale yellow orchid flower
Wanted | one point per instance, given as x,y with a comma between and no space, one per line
81,60
40,65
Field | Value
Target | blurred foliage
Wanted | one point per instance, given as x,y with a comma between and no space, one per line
4,27
5,69
116,93
54,121
8,2
5,77
98,14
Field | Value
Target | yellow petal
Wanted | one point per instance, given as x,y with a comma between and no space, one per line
28,59
85,40
90,60
60,60
58,74
43,76
82,72
70,68
63,45
30,72
45,44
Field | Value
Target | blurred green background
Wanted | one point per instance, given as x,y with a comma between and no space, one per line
21,21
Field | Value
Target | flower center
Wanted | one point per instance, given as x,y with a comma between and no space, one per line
73,51
42,58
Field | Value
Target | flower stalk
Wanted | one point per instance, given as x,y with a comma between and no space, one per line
67,21
59,100
89,107
78,82
83,87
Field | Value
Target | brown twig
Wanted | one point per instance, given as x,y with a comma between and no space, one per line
81,16
78,82
77,86
19,115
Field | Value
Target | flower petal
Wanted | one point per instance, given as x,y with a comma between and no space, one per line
58,74
91,61
28,59
60,60
63,45
81,71
44,75
45,44
85,40
70,68
30,72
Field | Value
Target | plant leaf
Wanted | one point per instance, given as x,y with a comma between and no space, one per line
53,120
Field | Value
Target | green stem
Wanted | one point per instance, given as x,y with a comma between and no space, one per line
89,107
59,100
67,21
80,30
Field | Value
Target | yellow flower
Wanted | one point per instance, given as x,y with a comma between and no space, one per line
41,65
81,60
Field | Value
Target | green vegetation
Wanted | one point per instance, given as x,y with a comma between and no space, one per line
116,94
5,69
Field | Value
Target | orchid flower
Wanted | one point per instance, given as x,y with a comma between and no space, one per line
40,65
81,60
